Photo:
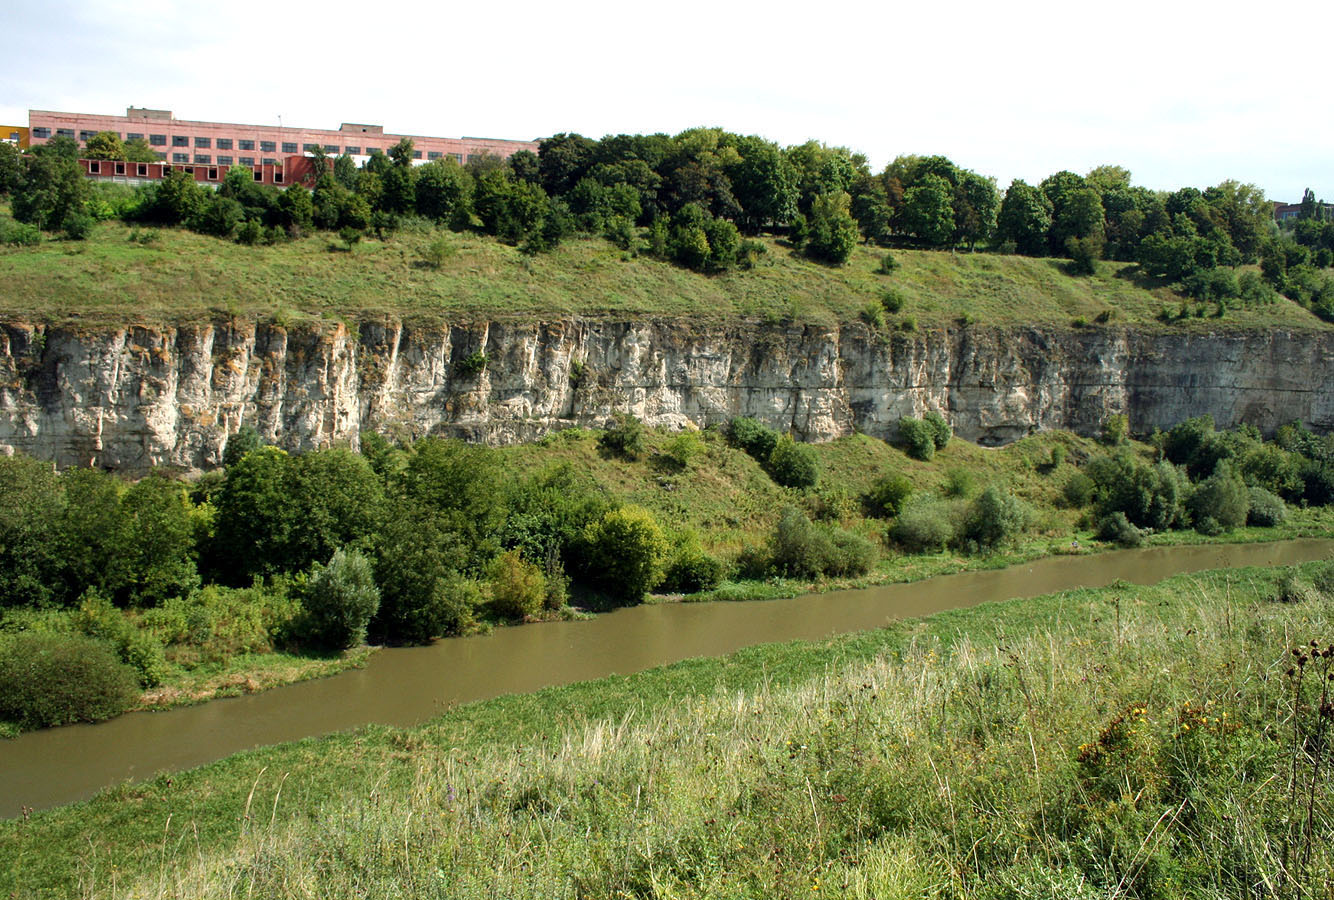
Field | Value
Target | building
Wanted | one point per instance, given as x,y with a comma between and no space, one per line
14,134
222,144
1285,212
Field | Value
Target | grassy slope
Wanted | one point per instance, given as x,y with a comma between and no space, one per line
185,276
897,762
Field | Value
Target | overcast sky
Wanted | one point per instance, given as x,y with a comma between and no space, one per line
1179,93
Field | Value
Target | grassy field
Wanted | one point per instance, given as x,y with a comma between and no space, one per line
1128,741
182,276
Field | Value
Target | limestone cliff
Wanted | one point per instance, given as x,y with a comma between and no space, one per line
136,397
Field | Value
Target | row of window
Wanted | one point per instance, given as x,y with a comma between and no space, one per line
95,167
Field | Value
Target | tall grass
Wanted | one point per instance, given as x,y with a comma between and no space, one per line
1139,742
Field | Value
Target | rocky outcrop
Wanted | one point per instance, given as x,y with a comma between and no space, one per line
136,397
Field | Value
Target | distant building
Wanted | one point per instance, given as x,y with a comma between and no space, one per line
15,134
188,142
1284,212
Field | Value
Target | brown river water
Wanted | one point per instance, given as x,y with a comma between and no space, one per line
406,686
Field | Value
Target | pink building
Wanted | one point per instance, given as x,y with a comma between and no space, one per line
222,144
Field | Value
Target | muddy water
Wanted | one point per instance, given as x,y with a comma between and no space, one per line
407,686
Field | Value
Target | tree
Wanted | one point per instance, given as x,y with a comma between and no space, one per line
833,232
793,465
11,168
104,145
563,159
159,541
764,182
138,150
1024,218
255,517
339,599
337,502
1079,216
31,505
975,204
928,212
319,164
625,552
52,187
444,192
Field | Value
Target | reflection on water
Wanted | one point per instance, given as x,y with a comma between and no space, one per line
409,685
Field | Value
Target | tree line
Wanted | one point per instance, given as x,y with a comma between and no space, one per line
699,198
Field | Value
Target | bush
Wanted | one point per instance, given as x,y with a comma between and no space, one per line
682,449
19,234
624,553
994,519
925,525
692,570
1267,509
1292,588
471,365
1115,527
960,483
518,589
918,438
749,435
437,252
625,437
49,679
940,429
799,548
887,496
888,263
339,600
794,465
1220,502
891,301
1115,430
78,226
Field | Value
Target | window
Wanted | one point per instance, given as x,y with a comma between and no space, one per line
270,161
203,158
213,173
65,132
133,136
246,161
180,140
278,177
351,151
258,174
372,150
289,146
224,160
305,148
471,157
416,154
331,148
41,132
224,143
180,157
159,155
94,168
189,170
434,154
141,169
203,142
157,140
85,135
120,168
245,145
267,146
458,158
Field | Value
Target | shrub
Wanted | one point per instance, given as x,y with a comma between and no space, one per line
78,226
141,651
799,548
518,589
339,600
471,365
48,679
940,429
994,519
1267,509
1324,579
692,570
960,483
794,465
1058,454
918,438
437,252
624,553
1115,430
891,301
749,435
625,437
887,496
873,314
1115,527
1292,588
888,263
20,234
682,449
924,525
1220,501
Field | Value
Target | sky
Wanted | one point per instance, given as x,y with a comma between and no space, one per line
1180,93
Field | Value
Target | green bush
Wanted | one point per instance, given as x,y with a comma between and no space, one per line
48,679
960,483
19,234
692,570
996,518
1220,502
1266,509
97,618
940,429
338,601
682,449
624,552
888,263
749,435
917,437
1115,430
887,496
793,465
798,548
518,589
471,365
625,437
891,300
1079,490
924,525
1115,527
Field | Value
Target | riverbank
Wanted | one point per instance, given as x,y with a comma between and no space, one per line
677,770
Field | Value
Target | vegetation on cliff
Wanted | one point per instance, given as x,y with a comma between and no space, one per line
1154,742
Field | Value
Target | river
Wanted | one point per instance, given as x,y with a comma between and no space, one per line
406,686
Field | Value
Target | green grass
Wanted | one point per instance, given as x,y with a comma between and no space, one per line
109,280
941,757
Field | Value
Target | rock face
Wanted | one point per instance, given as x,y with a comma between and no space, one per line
138,397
